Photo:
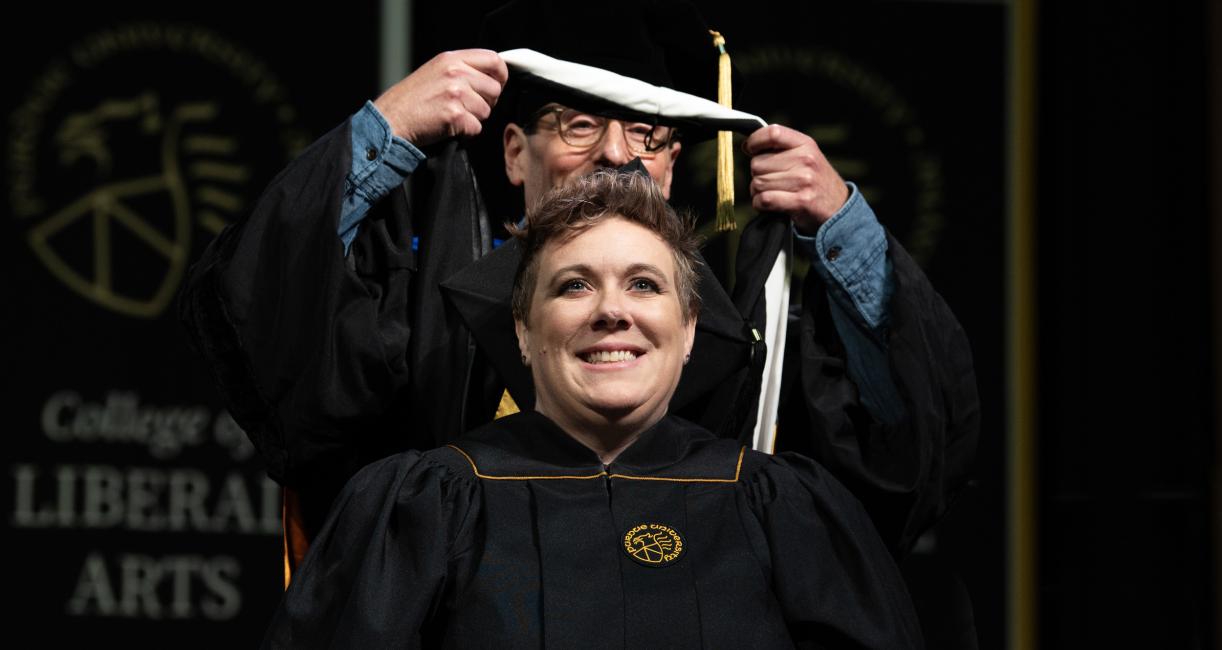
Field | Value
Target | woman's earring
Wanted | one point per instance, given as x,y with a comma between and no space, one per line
525,362
686,358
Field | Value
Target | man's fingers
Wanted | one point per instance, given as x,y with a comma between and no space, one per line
466,126
481,70
476,105
473,94
487,87
804,161
446,97
462,111
777,201
790,175
770,163
773,137
487,62
779,183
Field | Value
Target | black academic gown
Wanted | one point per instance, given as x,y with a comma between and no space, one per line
516,536
330,361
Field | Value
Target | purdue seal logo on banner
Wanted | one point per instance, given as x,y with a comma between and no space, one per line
129,144
653,545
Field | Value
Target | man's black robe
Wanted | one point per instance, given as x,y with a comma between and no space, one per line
516,536
330,361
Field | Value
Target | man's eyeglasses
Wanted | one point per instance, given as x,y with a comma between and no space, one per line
583,130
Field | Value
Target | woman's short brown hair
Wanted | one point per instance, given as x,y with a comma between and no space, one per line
565,212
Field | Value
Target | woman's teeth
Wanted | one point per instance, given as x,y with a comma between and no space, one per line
604,356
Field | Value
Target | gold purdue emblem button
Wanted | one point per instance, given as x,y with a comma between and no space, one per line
653,544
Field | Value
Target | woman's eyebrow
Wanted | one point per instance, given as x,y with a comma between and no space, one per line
577,269
641,267
633,269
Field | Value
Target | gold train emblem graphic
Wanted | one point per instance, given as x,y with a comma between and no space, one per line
653,545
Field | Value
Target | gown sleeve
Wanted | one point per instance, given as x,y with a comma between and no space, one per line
308,346
905,470
836,582
376,576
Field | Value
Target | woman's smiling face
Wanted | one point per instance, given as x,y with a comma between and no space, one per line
606,336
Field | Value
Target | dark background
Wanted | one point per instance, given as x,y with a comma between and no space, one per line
1124,332
1126,384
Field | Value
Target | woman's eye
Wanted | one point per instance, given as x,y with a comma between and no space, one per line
644,284
572,286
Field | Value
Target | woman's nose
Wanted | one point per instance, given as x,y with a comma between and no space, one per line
611,314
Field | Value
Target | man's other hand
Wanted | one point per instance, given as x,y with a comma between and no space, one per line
790,175
447,97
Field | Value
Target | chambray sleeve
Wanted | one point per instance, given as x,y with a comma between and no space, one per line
849,253
380,162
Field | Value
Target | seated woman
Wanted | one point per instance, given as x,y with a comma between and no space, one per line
597,520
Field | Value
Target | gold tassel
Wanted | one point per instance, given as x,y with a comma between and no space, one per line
726,219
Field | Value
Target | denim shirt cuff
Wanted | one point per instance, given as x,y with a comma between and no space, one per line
849,252
380,159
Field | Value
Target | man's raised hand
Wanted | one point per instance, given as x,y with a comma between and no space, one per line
790,175
450,96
